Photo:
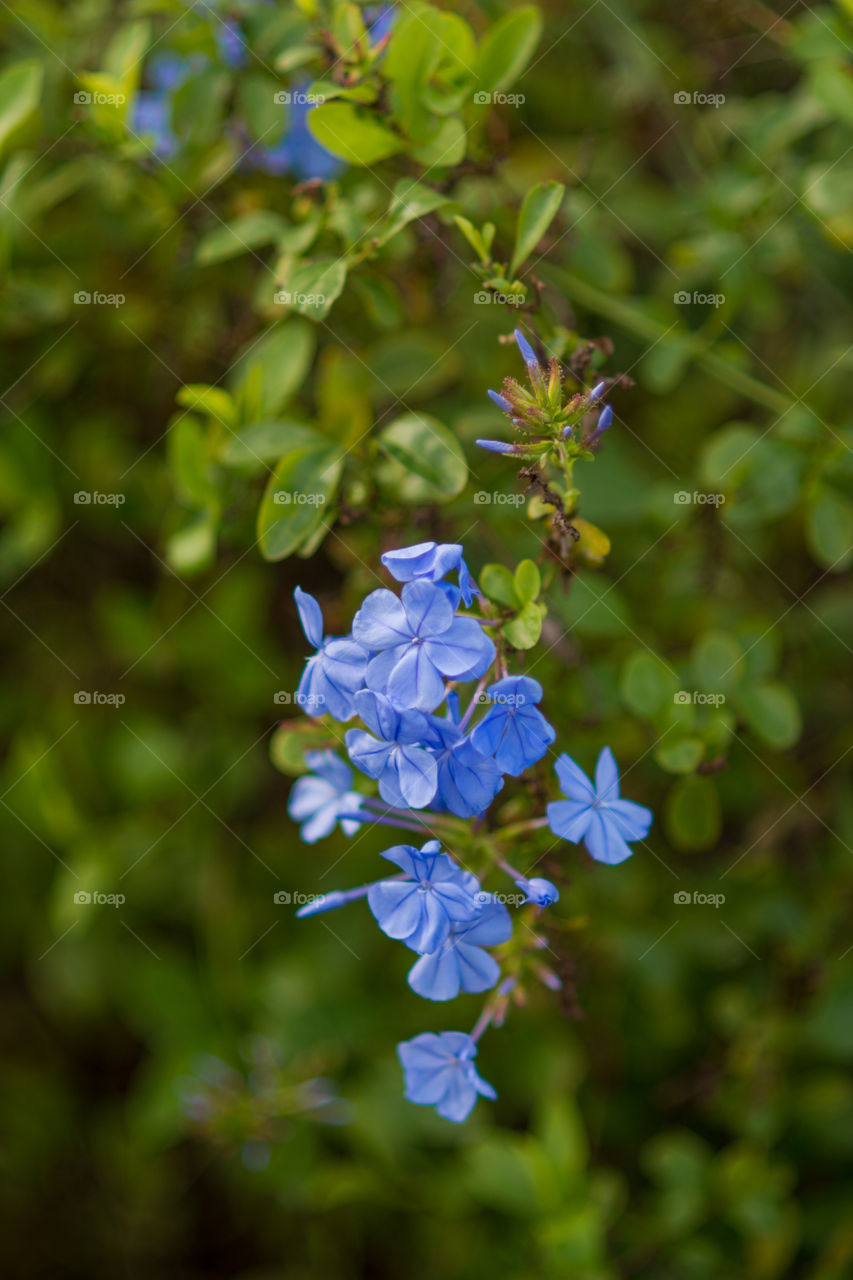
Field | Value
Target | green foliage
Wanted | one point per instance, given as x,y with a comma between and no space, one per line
694,1123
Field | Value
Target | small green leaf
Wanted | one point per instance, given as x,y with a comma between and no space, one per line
427,464
647,685
507,48
272,370
294,504
692,813
498,584
354,135
20,91
189,462
241,235
193,549
772,712
293,738
446,147
523,632
312,287
473,236
210,400
265,442
411,200
716,663
829,529
681,756
538,211
528,581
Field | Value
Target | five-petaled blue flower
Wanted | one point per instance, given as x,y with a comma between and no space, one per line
467,780
421,909
335,672
421,643
461,964
431,561
514,731
318,799
407,773
440,1073
596,814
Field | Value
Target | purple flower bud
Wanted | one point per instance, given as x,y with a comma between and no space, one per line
496,446
605,420
501,401
527,352
566,433
596,391
540,891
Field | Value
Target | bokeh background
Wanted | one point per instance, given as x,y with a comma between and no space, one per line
193,1083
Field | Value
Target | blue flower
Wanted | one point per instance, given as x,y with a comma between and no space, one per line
540,891
461,964
431,562
421,643
440,1072
334,673
595,814
421,909
514,731
467,780
407,774
298,151
318,799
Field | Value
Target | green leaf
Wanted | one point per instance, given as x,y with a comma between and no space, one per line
189,462
125,53
473,236
292,739
445,147
538,211
312,287
647,685
528,581
265,442
716,663
523,632
772,712
832,86
198,106
411,200
241,235
20,92
210,400
692,813
271,370
428,463
412,57
498,584
193,549
829,529
354,135
294,504
508,48
681,756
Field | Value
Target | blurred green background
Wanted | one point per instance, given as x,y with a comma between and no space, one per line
194,1083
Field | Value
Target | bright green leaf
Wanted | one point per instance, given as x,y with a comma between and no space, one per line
538,211
353,134
296,497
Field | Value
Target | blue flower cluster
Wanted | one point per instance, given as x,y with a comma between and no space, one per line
295,152
407,656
